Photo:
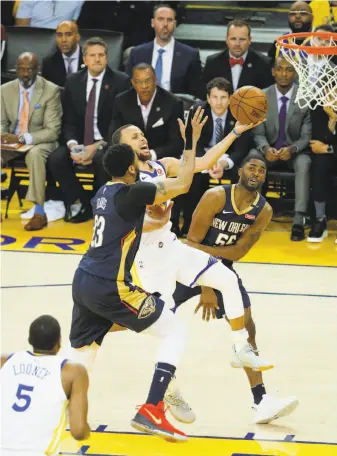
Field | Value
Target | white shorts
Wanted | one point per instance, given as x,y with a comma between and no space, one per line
161,265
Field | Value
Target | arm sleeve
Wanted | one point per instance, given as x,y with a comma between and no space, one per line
130,201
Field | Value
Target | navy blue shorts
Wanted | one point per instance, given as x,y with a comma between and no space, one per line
183,294
99,303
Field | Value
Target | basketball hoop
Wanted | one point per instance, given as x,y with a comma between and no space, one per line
317,74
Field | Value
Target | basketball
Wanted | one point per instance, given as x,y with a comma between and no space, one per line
248,104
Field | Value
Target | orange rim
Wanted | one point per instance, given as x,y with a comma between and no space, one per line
325,50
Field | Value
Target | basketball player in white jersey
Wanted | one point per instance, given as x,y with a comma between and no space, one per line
39,392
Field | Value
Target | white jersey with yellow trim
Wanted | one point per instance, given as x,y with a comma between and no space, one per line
163,234
34,406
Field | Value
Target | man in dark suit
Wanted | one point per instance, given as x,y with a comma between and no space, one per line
239,63
284,138
177,66
152,109
89,97
67,59
219,124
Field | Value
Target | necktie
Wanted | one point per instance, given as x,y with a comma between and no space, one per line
69,65
24,114
218,130
282,124
159,66
89,116
233,62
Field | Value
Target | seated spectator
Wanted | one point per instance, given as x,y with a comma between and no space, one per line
177,66
219,123
300,19
152,109
284,138
67,59
31,114
324,12
88,100
47,13
239,63
324,166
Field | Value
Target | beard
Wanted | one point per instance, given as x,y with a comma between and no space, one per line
250,187
306,27
144,157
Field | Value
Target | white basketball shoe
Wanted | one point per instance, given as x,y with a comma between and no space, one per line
271,408
177,406
244,356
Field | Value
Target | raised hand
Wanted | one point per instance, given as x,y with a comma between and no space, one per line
241,128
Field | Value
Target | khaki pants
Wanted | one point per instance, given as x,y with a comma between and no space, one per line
35,159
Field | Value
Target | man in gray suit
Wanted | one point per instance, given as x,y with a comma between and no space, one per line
284,138
31,115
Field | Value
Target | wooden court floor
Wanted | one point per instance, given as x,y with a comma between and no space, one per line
293,288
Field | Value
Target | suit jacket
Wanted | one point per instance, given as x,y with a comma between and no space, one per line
164,139
45,110
185,71
74,102
256,70
320,129
238,150
54,70
297,128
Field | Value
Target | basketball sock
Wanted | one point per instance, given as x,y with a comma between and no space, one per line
240,337
320,209
162,376
39,209
258,391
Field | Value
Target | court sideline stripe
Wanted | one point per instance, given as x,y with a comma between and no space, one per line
239,262
275,293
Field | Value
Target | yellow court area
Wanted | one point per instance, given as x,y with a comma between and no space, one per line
293,289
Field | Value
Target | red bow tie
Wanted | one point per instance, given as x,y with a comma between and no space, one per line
234,62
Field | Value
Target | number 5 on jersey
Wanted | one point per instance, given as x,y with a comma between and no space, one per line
24,398
97,238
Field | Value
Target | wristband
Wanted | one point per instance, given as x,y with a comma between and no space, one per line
235,133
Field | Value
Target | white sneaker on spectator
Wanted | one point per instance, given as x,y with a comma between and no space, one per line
271,408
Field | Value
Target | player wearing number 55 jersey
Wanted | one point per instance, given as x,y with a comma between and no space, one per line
39,392
227,222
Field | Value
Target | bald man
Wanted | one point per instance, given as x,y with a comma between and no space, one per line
67,59
300,19
31,114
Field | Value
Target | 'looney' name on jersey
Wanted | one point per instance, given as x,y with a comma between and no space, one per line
30,369
230,227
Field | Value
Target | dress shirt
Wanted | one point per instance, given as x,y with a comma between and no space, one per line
74,63
167,62
28,137
48,13
279,95
236,70
145,110
97,134
212,142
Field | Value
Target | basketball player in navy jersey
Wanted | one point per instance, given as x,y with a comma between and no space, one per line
227,223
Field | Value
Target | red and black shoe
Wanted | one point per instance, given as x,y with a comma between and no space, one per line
151,419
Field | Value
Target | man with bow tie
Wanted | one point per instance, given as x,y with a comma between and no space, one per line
239,63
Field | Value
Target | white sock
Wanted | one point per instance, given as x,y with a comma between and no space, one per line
240,337
84,355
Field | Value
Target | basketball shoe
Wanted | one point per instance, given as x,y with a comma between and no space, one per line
177,406
151,419
244,356
271,408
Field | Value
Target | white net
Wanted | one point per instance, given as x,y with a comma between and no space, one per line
317,73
